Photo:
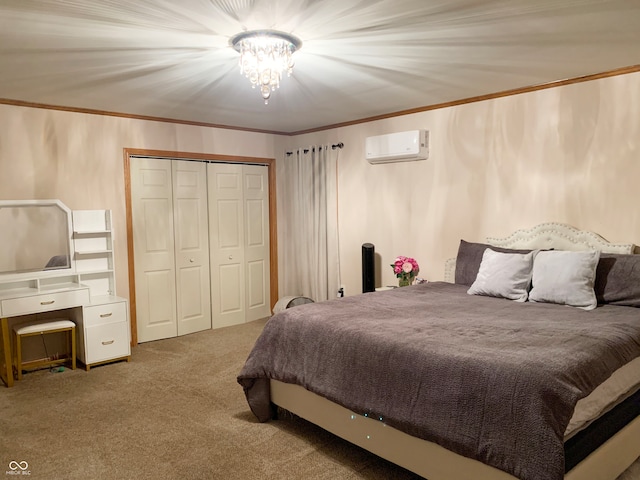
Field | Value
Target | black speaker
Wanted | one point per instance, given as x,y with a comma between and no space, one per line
368,268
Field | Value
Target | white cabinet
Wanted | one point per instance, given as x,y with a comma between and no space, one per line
104,331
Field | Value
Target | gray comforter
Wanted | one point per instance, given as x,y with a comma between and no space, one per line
487,378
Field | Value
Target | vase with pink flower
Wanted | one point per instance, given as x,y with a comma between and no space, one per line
406,269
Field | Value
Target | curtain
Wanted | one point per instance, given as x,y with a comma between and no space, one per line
309,246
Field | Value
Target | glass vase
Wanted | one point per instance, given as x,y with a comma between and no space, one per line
404,281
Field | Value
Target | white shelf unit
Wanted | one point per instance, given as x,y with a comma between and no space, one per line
31,286
93,251
104,331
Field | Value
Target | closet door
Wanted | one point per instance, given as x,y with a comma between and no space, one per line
153,248
171,251
239,242
226,240
256,226
191,231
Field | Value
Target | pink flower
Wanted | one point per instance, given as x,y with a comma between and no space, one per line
405,266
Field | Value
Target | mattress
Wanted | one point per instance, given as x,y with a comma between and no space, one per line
620,385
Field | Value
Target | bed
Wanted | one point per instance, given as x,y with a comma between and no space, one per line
511,371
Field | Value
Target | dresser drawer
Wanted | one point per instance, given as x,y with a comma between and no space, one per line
45,302
103,314
107,341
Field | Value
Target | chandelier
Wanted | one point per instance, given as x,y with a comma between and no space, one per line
264,55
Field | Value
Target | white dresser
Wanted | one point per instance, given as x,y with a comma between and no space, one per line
103,332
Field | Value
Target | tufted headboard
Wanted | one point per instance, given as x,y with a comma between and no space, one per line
552,235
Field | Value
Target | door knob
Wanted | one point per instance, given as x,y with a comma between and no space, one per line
191,260
230,257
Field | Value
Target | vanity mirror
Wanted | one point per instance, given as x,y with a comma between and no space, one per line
35,238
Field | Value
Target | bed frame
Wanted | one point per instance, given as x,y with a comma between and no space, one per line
432,461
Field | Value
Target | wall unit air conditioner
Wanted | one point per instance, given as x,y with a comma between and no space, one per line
398,147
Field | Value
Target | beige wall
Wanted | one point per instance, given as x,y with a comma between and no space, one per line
78,159
567,154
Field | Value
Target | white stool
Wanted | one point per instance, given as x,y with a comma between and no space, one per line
41,328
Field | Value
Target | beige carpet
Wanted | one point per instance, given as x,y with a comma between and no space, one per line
174,412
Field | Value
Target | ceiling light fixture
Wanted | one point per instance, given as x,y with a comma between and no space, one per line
264,55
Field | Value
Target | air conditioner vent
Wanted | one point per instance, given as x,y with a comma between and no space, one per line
398,147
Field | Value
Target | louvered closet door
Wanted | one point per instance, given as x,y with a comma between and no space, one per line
239,243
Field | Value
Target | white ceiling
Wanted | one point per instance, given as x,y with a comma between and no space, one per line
359,58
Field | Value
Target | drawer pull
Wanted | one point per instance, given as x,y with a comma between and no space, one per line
48,302
108,343
105,315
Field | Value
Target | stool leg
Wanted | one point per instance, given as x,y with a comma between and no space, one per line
73,348
19,355
14,358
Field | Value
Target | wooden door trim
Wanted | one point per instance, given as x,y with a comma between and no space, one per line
202,157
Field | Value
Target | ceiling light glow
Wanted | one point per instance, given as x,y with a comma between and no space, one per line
264,55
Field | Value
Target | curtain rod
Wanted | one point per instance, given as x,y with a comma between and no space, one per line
333,147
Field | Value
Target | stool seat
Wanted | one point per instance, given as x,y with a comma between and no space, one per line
43,327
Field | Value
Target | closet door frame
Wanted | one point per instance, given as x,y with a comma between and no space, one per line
204,157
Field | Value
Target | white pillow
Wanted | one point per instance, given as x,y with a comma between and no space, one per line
566,278
505,275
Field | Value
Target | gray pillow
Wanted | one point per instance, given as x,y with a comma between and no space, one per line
618,279
505,275
565,277
469,259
